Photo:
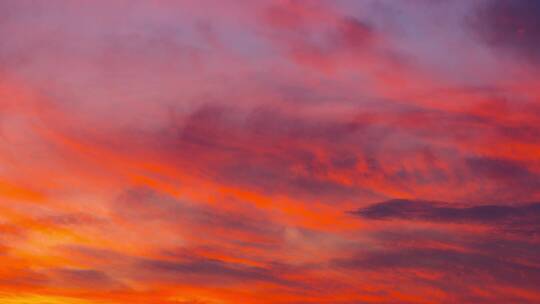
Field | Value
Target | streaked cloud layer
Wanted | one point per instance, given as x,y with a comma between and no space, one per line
269,151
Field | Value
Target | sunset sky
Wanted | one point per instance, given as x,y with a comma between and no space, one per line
272,152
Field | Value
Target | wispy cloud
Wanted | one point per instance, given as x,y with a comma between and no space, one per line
208,151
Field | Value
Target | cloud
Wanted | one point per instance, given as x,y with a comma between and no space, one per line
84,278
161,151
236,223
463,263
318,36
203,270
511,26
502,169
452,264
423,210
14,277
73,219
271,142
513,218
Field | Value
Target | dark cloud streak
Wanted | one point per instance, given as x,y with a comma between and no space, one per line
524,218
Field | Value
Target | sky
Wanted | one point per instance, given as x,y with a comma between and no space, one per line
272,152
